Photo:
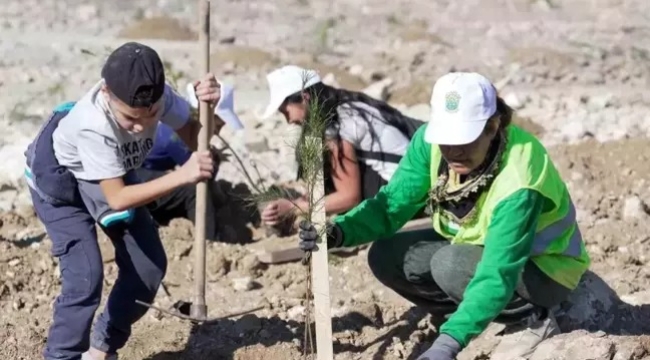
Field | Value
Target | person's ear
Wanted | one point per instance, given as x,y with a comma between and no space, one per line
306,97
493,126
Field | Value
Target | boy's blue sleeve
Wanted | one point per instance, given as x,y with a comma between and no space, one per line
177,110
174,145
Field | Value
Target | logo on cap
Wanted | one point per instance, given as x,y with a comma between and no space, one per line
452,99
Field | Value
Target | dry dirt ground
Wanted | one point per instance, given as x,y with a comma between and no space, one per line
577,71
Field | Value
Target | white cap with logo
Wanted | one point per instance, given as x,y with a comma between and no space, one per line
225,108
461,104
287,81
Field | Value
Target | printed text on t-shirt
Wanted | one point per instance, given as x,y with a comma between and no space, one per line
133,153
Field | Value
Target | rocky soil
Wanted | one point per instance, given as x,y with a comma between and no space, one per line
577,72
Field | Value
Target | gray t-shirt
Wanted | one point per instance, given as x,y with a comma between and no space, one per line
359,132
91,144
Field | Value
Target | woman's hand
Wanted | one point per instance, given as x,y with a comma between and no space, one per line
444,348
208,89
276,211
309,236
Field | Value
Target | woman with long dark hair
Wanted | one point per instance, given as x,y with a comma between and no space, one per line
366,138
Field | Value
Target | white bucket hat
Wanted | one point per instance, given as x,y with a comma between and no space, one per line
286,81
461,104
225,108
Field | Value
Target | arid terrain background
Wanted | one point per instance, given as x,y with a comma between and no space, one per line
578,72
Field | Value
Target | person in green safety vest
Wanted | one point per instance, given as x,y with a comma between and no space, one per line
505,245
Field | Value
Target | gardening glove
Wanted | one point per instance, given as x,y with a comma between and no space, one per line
308,236
444,348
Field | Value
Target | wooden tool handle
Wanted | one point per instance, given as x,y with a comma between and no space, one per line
205,118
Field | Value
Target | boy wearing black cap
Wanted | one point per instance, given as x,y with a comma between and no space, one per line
80,169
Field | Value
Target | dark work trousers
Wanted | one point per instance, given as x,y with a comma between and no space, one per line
429,271
70,224
180,203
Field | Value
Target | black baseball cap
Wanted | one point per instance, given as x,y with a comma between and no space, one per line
135,74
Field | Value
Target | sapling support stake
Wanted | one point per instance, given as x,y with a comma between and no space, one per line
319,267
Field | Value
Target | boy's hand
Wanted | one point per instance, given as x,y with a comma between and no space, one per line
199,167
208,89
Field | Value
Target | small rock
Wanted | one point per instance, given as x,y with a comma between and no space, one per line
376,76
513,101
347,334
574,130
296,313
218,265
630,351
258,146
227,40
250,265
276,288
14,262
29,307
576,346
577,176
156,315
398,348
379,90
372,312
243,284
18,304
183,250
599,334
634,208
356,70
330,80
416,337
598,103
425,323
87,12
8,199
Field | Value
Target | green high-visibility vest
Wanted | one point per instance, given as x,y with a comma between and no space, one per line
558,249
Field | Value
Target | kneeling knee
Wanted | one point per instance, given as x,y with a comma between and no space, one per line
375,257
381,261
452,267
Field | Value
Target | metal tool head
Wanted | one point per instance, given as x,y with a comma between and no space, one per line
194,313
